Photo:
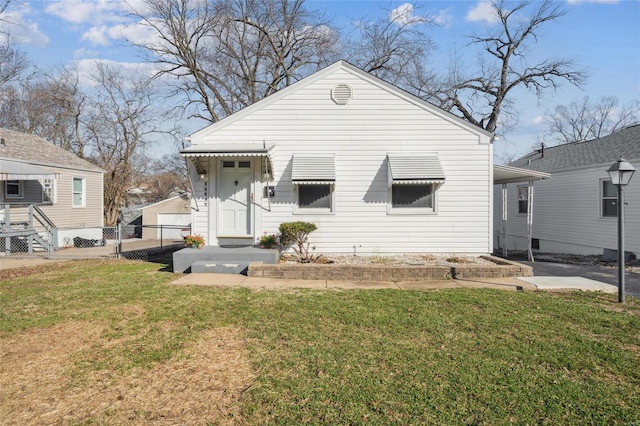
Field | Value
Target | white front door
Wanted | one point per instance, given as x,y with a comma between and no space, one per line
235,198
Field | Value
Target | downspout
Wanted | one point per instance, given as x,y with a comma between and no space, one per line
530,220
504,220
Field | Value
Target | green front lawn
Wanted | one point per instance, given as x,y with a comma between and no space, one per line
457,356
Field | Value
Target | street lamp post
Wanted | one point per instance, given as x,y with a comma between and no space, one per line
620,173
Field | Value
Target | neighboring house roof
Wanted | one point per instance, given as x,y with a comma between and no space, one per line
602,151
32,149
184,195
345,66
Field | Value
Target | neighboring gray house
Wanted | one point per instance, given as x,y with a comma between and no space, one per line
375,168
575,209
66,188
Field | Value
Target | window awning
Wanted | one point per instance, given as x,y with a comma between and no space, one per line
313,169
226,150
407,168
17,170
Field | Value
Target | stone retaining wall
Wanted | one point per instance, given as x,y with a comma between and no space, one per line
310,271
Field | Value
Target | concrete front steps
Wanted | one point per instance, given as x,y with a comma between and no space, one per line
224,260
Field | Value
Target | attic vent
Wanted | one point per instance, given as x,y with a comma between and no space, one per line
341,94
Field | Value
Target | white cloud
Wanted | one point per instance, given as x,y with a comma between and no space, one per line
539,119
88,67
96,35
443,18
482,12
93,12
17,24
404,15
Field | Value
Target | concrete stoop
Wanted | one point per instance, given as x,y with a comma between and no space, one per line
226,260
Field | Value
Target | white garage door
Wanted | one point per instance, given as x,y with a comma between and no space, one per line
174,223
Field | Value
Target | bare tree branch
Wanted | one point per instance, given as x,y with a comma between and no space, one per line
583,119
481,99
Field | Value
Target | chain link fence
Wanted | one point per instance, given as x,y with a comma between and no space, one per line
124,241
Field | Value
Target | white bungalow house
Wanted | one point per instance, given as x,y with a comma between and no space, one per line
375,168
575,210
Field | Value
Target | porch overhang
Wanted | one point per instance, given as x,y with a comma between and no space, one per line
412,169
503,175
508,174
194,153
17,170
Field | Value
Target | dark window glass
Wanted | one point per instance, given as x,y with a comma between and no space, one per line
314,196
413,195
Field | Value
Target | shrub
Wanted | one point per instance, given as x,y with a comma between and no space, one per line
268,240
295,235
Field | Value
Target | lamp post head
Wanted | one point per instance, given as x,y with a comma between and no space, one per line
621,172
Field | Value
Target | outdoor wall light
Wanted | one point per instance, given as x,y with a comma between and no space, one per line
620,173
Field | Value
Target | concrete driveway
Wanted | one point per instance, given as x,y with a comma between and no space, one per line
590,272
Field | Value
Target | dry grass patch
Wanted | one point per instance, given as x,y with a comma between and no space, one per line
39,387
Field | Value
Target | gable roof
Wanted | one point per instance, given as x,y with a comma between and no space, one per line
602,151
32,149
345,66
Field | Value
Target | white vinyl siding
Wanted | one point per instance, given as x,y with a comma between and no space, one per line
567,214
375,121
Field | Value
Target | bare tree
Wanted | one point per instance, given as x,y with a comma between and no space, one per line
50,107
227,54
482,96
584,119
394,48
118,124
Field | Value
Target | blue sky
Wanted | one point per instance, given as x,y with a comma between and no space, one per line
602,35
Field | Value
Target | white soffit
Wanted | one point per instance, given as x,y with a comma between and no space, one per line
313,169
407,168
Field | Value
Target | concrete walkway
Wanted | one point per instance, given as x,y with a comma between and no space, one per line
228,280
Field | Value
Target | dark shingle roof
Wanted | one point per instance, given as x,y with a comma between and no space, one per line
606,150
35,150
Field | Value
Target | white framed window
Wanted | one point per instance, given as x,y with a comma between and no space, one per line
609,199
13,189
523,199
412,198
49,191
316,198
79,192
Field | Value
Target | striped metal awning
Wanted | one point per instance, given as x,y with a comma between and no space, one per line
418,168
313,169
226,150
17,170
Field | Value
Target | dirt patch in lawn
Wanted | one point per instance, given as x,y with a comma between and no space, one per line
201,387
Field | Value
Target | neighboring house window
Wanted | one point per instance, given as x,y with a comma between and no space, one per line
13,189
409,196
315,198
523,199
48,191
609,199
79,192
